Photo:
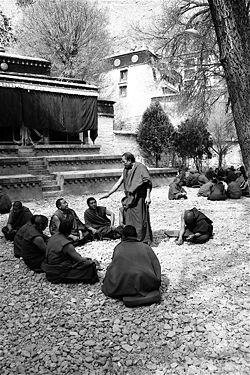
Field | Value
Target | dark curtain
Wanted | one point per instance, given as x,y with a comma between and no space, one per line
44,110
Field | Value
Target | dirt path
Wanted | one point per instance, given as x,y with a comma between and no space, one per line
200,327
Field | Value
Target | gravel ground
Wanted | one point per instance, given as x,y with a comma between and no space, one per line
200,327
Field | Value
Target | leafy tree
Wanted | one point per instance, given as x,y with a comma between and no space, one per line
23,3
72,34
6,33
155,132
218,33
192,140
222,132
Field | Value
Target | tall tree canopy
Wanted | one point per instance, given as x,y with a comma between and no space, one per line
192,140
6,33
155,132
71,34
217,33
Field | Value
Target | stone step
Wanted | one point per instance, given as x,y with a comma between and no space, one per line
52,194
49,182
39,171
51,188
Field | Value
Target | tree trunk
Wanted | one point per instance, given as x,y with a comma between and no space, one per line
220,156
232,26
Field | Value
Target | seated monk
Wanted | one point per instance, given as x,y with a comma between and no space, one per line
217,191
134,274
176,191
33,244
63,264
192,179
204,190
233,189
242,181
79,234
18,239
5,203
195,227
19,215
202,179
97,221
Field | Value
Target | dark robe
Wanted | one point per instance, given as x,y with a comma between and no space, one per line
98,220
5,204
18,240
61,268
136,182
17,220
234,190
70,215
32,255
200,224
204,190
217,192
176,191
134,271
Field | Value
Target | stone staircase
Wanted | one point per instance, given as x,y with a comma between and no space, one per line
50,186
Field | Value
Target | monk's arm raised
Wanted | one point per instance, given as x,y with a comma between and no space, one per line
179,240
114,188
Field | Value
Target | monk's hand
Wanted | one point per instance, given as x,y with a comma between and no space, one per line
105,196
190,238
147,201
74,238
179,241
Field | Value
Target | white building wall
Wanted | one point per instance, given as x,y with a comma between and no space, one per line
105,134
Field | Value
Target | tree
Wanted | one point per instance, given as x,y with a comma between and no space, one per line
6,33
222,46
192,140
232,26
155,132
24,3
72,34
222,132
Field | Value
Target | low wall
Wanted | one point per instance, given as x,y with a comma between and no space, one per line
13,166
24,187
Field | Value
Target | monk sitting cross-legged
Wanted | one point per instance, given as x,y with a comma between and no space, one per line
19,215
134,274
63,264
79,233
97,221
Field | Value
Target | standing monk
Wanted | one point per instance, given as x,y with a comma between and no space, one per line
137,188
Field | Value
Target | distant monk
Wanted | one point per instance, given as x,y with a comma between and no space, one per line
97,221
195,227
134,274
192,179
79,234
63,264
204,190
233,188
33,244
5,203
217,191
137,188
19,215
202,179
176,191
241,179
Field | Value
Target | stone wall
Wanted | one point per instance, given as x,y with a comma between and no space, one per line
124,142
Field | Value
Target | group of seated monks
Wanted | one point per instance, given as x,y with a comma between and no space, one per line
215,185
134,275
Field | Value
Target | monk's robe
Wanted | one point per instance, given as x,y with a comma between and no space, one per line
32,254
70,215
202,179
17,220
234,190
98,220
61,268
5,204
134,271
217,192
136,182
176,191
243,183
204,190
18,240
200,224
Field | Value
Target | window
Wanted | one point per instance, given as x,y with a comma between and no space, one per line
123,91
123,75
